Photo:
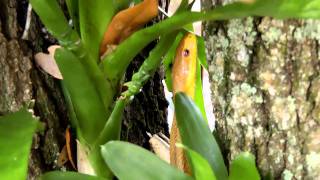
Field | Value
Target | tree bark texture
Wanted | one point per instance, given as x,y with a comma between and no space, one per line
22,82
265,90
148,110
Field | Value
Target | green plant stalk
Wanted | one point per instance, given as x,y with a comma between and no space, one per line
101,169
112,128
111,131
126,51
54,20
149,66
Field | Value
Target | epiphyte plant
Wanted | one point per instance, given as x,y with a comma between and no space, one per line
91,85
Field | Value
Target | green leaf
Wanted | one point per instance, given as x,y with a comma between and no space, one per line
202,56
243,167
195,134
128,161
112,128
87,103
55,175
73,9
198,98
121,4
280,9
94,19
53,18
149,66
16,131
201,169
169,58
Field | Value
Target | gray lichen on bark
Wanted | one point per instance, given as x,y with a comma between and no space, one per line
265,81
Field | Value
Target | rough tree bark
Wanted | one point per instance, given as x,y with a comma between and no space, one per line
21,81
265,81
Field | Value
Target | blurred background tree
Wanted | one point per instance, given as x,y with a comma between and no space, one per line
265,84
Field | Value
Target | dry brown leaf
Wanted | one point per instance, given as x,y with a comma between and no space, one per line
48,63
127,22
63,157
160,147
83,162
68,145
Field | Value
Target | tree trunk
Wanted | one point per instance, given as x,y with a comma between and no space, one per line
21,82
148,110
265,83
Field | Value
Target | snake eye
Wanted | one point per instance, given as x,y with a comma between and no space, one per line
186,52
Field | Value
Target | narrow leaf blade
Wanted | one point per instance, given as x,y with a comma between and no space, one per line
168,59
73,9
196,134
94,19
202,52
198,98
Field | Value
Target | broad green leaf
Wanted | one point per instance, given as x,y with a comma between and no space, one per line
87,103
129,48
202,52
243,167
59,175
128,161
94,19
201,169
16,131
198,98
195,134
73,9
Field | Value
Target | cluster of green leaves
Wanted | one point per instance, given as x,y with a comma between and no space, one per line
90,87
204,156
